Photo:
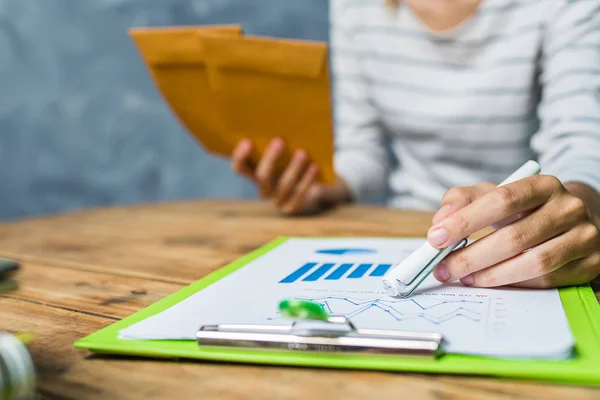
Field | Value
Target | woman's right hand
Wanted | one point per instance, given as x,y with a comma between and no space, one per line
296,190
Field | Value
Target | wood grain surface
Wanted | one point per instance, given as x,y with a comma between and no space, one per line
82,271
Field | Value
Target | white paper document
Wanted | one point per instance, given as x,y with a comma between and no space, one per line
344,277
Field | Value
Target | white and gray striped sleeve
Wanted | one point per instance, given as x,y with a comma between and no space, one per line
360,157
568,141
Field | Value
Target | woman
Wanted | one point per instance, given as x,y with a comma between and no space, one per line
465,91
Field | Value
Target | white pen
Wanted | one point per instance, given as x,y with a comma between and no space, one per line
405,277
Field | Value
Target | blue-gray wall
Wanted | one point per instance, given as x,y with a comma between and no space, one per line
81,123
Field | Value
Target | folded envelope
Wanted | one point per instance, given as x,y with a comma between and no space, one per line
225,87
267,88
176,61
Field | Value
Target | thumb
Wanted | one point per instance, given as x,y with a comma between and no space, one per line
321,196
459,197
315,196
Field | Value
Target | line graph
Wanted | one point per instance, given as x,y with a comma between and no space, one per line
435,311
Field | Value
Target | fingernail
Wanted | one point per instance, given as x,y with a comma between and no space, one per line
438,236
277,143
441,213
467,280
441,273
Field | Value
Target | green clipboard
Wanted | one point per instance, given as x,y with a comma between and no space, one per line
580,304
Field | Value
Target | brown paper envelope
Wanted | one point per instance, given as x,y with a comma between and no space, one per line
267,88
176,61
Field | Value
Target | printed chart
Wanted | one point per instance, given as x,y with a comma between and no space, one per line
343,276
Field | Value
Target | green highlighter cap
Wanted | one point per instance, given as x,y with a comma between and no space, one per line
302,309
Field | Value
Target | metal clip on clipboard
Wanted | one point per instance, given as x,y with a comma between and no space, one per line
338,334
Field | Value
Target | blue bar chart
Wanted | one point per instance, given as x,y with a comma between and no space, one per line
319,272
339,272
297,274
380,270
314,271
359,271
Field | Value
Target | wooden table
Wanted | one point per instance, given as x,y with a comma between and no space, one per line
83,271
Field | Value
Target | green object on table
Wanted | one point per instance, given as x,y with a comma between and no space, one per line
302,309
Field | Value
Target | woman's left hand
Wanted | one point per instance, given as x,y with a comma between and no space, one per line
546,237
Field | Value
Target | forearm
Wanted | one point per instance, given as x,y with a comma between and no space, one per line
590,197
360,158
568,142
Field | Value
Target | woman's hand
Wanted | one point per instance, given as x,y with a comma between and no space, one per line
295,191
545,235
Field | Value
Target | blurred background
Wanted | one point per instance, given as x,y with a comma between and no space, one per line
81,123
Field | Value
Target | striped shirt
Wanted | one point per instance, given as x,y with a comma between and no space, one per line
518,80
